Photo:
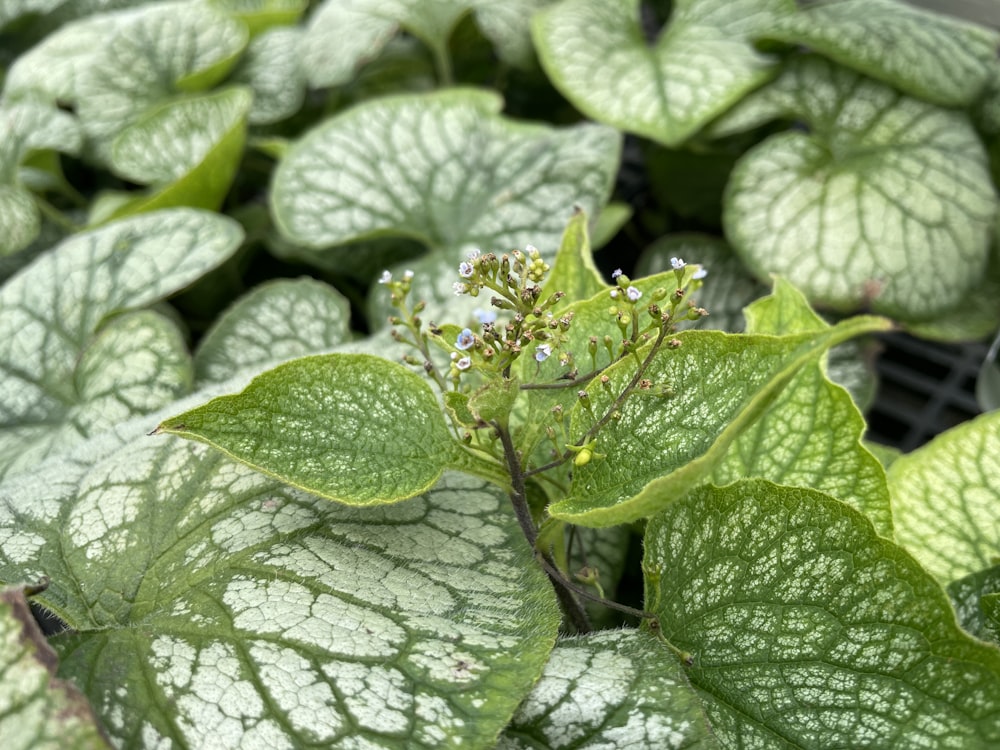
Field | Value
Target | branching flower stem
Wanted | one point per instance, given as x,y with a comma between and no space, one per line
606,417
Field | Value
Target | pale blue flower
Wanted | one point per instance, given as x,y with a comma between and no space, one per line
465,340
543,352
486,316
677,263
700,273
616,273
464,363
466,269
633,294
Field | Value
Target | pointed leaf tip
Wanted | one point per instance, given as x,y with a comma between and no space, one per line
350,427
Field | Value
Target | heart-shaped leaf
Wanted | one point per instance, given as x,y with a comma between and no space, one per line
806,629
276,321
927,55
135,363
613,689
885,201
188,149
38,710
702,62
354,428
211,606
660,447
150,55
53,391
811,434
442,168
945,497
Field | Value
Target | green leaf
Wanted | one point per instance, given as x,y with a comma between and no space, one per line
573,271
612,218
494,400
272,70
353,428
612,689
213,607
945,496
444,169
885,202
811,434
51,314
806,629
660,447
150,55
969,597
927,55
27,127
276,321
728,287
701,63
261,15
39,711
344,35
188,149
590,317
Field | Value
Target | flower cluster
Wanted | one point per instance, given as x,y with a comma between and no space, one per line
514,280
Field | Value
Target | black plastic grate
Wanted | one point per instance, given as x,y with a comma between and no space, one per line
924,388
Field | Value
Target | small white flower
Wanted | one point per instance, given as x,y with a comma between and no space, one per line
616,273
385,278
473,254
460,288
466,269
677,263
633,294
614,294
700,273
543,352
407,275
464,363
486,316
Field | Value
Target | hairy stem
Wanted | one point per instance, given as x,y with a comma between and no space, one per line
519,500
